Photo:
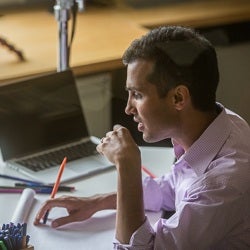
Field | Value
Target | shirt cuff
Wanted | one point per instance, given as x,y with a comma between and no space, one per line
142,239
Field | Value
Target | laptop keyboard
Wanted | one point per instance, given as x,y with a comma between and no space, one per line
51,159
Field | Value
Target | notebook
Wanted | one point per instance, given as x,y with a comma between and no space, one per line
41,122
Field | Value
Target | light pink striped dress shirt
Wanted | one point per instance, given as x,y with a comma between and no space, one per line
208,187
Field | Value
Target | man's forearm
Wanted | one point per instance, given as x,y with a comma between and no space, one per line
130,209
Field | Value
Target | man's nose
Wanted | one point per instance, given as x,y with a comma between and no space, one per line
129,109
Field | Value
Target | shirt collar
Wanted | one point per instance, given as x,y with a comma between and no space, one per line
205,148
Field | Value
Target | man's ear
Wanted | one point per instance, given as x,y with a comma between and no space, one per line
181,96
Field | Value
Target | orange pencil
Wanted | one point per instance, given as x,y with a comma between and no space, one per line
56,186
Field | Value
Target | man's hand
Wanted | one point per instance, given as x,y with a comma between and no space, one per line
119,146
79,208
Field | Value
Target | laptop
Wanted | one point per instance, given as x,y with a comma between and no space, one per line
41,122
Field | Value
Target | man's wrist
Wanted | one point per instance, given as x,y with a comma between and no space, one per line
104,201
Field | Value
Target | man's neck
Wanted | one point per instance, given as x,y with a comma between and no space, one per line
193,125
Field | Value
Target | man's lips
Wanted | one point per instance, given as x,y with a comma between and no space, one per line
136,119
140,126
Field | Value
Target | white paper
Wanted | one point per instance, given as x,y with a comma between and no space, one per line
23,207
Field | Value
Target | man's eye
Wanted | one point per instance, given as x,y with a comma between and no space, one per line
137,95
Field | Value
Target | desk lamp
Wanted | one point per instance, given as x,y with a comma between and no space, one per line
62,10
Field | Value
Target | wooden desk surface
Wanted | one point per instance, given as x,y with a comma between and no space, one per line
101,34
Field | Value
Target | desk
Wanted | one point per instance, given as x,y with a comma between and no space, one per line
94,233
102,34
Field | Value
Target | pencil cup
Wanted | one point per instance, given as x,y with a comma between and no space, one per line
28,248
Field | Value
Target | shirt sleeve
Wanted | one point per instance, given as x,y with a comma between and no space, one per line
142,239
159,193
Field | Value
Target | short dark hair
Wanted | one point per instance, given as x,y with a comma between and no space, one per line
181,56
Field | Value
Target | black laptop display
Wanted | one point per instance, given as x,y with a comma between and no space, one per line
39,116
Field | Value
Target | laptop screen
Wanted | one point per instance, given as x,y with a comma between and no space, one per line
40,113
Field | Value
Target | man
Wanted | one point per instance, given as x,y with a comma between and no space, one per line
172,76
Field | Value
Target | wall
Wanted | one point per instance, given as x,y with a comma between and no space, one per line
232,43
233,90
